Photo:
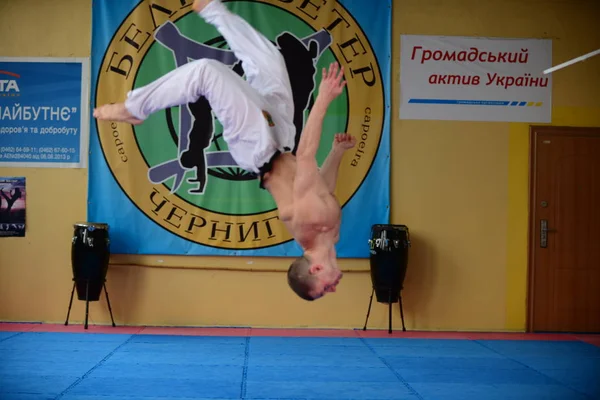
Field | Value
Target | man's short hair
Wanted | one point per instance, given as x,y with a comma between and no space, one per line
300,279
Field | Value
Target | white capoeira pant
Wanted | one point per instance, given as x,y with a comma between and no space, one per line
257,114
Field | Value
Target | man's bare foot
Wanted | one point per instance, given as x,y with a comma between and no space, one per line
199,5
115,112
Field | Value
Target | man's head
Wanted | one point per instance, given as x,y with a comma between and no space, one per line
311,280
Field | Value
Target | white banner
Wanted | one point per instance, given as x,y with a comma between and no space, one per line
475,79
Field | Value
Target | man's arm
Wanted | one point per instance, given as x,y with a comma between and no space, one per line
331,86
329,170
311,134
307,169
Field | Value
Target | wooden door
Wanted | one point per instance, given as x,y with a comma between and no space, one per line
564,290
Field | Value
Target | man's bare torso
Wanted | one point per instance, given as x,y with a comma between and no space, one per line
313,216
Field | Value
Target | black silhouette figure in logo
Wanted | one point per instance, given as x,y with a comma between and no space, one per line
200,136
201,133
10,201
300,63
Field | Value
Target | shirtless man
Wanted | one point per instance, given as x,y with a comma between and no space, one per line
257,118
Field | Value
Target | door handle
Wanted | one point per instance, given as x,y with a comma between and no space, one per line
544,233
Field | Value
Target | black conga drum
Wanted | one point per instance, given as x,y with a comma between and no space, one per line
389,246
90,254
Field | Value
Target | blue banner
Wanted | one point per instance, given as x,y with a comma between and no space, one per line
44,112
170,186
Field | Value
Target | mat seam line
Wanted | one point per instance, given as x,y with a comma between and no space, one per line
535,370
581,340
79,380
12,336
396,374
245,369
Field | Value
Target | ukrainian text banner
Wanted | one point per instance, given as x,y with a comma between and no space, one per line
170,186
475,79
44,120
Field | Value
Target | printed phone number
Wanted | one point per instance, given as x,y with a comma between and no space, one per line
37,153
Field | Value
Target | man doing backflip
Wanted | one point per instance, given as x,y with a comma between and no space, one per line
257,118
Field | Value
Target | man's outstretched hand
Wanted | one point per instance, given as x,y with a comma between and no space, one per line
332,83
343,141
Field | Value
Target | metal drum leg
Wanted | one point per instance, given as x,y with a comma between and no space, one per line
109,308
369,310
70,304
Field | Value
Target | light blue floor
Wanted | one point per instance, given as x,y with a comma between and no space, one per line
72,366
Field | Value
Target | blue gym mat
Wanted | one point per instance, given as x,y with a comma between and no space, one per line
72,366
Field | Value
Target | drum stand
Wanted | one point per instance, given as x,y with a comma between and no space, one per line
390,311
87,303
